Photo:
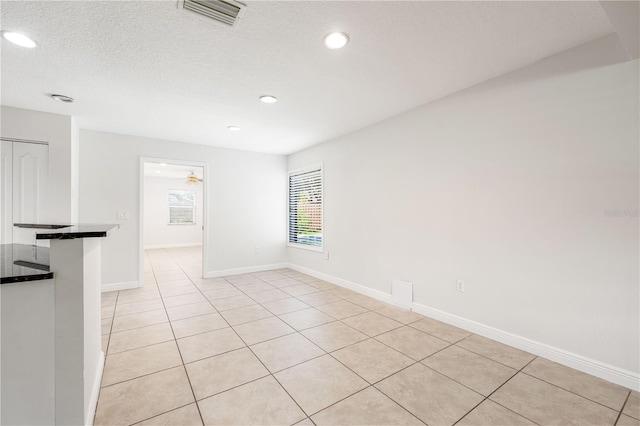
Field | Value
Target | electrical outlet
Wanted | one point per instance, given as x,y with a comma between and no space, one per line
257,249
123,215
460,286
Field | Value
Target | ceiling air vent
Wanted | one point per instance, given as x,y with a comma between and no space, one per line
224,11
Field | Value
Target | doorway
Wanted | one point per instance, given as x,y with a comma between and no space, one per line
173,215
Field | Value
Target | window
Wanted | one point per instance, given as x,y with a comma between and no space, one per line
305,207
182,207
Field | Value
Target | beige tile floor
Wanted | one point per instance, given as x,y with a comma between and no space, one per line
284,348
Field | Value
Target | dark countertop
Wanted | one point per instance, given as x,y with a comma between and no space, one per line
21,262
68,232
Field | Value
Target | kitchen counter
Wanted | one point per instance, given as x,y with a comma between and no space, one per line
68,232
21,262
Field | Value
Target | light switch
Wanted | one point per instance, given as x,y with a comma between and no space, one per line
123,215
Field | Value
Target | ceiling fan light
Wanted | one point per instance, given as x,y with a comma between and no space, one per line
192,179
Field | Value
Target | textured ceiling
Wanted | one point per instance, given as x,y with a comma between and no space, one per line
146,68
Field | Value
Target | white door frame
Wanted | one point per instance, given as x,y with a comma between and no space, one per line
205,211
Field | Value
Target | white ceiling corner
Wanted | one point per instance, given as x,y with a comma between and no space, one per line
146,68
174,171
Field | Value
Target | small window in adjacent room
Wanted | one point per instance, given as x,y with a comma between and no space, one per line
182,208
305,208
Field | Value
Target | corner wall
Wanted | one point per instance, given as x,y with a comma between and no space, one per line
246,195
525,187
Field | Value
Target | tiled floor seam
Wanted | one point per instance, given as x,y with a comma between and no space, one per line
379,390
234,387
182,359
137,301
140,376
365,380
484,398
622,409
433,335
270,373
380,334
314,326
574,393
491,359
498,388
232,350
407,355
133,313
254,354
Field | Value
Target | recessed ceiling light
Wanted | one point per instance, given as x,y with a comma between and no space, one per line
62,98
157,171
268,99
163,164
19,39
336,40
233,128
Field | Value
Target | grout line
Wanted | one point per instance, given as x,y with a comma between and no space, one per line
184,368
265,367
236,386
622,409
348,368
158,415
141,376
140,347
496,390
484,356
572,392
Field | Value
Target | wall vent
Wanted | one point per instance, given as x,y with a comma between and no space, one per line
224,11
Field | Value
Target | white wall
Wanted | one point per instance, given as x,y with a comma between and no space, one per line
158,233
57,130
246,192
507,186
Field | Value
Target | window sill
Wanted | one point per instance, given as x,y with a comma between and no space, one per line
306,247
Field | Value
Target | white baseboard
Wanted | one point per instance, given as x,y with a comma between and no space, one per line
605,371
95,393
120,286
249,269
376,294
164,246
599,369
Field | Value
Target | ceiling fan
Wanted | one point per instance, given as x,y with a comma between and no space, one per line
192,179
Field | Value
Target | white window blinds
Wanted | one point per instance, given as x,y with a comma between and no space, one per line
181,207
305,207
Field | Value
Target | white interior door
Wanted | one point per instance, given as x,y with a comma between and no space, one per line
24,188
